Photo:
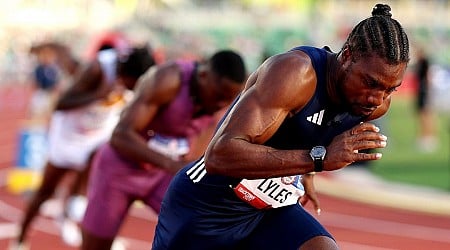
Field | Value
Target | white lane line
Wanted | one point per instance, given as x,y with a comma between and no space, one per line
354,246
409,197
121,243
141,211
8,230
9,212
385,227
50,226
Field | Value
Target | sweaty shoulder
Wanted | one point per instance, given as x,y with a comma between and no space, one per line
161,82
290,77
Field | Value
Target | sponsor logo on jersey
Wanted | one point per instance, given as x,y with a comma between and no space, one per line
316,118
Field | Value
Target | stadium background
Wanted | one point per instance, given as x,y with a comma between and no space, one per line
257,28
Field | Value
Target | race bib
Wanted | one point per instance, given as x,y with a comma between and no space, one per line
172,147
271,193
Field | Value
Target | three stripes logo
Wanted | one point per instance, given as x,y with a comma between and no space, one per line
316,118
197,171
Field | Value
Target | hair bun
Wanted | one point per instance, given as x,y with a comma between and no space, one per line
381,10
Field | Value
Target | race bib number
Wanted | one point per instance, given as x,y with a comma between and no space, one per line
271,193
172,147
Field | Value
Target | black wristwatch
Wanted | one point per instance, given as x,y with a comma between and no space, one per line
317,154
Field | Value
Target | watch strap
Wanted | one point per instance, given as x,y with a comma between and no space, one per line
318,165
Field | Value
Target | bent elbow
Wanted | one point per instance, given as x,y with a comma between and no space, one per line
223,157
211,164
214,163
115,139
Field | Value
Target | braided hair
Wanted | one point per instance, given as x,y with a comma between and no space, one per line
379,34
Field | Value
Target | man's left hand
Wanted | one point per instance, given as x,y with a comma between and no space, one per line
310,192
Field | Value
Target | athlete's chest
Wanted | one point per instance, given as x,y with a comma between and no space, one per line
317,124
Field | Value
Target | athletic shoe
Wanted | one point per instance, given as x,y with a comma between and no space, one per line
71,233
76,206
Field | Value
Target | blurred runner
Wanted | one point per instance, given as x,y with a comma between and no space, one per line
426,135
84,118
169,123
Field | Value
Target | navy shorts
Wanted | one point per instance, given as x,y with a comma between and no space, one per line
209,216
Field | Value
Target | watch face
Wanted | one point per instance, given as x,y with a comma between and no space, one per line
318,152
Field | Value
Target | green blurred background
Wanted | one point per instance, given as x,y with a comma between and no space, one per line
403,160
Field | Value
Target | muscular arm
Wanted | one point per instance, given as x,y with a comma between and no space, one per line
87,87
154,89
279,88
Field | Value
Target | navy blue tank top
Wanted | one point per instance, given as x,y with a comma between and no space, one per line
319,121
316,124
209,201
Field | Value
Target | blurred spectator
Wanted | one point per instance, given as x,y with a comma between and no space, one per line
45,76
426,135
55,69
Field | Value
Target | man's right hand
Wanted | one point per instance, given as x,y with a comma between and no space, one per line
344,149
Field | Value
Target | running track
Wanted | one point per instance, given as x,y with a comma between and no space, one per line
356,226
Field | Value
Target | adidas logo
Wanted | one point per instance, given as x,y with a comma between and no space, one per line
316,118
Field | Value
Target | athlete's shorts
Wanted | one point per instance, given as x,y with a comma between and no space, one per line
69,148
114,185
208,215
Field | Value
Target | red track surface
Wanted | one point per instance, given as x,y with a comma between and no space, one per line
356,226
